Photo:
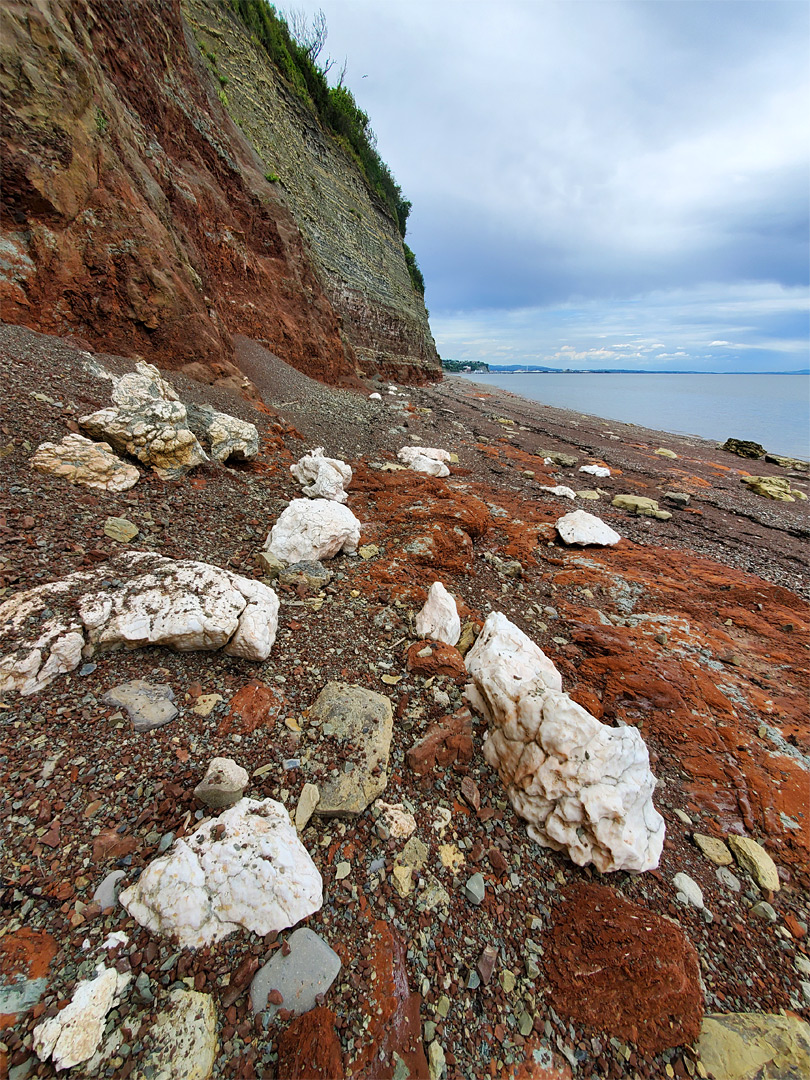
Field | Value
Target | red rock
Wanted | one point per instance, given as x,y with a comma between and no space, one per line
792,923
470,792
393,1013
617,967
441,659
497,861
486,963
309,1049
254,706
446,742
110,845
539,1063
25,954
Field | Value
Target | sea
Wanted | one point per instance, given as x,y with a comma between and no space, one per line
773,410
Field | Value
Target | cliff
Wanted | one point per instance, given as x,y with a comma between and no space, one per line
137,216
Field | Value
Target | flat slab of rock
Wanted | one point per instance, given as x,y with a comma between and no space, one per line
106,895
360,719
428,658
641,506
247,868
445,742
310,1046
755,859
753,1046
581,528
313,529
149,705
82,461
309,969
714,850
73,1035
617,966
182,1042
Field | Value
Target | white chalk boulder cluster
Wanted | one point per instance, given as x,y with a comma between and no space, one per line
583,787
71,1037
425,459
322,477
246,868
147,421
181,604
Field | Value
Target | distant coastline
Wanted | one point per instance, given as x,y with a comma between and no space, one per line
467,367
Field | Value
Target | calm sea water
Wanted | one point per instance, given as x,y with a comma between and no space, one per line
773,410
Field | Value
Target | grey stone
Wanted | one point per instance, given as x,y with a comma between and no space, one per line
361,719
310,969
763,910
149,705
223,784
565,461
475,889
725,877
143,988
106,895
679,497
270,566
308,572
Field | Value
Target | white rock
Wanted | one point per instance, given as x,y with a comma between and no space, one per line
399,822
322,477
439,618
82,461
425,459
375,397
580,527
595,470
224,436
184,605
561,490
584,788
313,529
256,874
72,1036
149,422
689,889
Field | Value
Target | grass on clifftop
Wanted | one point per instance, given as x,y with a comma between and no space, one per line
335,106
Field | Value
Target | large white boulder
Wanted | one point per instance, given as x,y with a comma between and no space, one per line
313,529
322,477
439,618
73,1035
581,528
183,605
583,787
425,459
223,435
149,422
82,461
246,868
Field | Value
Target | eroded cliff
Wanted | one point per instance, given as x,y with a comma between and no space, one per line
137,216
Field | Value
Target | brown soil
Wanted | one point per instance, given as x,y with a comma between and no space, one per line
694,629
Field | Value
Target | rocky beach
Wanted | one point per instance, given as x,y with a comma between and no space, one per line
398,920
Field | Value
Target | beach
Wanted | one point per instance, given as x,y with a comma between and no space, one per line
692,629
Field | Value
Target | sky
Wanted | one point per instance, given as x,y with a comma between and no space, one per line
597,183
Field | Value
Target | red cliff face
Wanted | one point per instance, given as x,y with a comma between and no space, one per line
135,215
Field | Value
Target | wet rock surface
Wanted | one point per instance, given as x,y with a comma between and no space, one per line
690,631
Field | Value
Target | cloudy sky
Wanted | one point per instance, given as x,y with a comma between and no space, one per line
597,183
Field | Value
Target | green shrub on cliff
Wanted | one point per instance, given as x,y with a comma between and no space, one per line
417,280
335,106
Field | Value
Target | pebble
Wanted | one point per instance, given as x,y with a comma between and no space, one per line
106,895
688,890
725,877
763,910
475,889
